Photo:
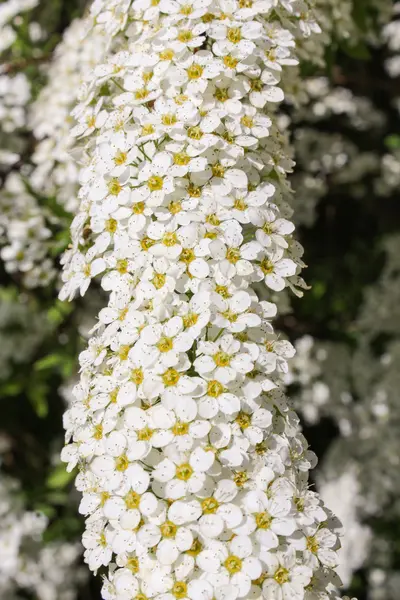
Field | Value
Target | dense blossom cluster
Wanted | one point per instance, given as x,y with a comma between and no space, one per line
192,468
56,168
27,565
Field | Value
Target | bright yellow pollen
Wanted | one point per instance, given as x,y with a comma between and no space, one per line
167,54
122,314
138,208
195,548
165,344
102,540
169,119
141,94
233,255
113,396
195,71
195,133
247,121
146,243
223,291
122,265
234,35
240,478
240,204
263,520
312,544
185,36
230,62
187,255
114,187
181,99
184,472
209,505
190,319
98,432
181,159
132,500
256,85
111,225
243,420
143,435
218,170
170,239
174,207
147,76
155,183
179,590
104,496
213,220
214,388
91,122
121,463
158,280
186,9
230,316
222,359
171,377
120,158
147,130
137,376
281,575
221,94
133,564
123,352
233,564
266,266
168,529
180,428
193,191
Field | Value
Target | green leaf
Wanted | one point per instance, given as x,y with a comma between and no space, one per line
392,142
59,478
50,361
37,395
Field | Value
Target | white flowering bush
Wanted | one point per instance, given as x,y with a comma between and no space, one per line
149,154
192,467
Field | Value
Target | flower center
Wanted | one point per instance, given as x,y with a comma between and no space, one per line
132,500
195,71
234,35
121,463
137,376
233,255
168,529
209,505
165,344
171,377
214,388
281,575
155,183
222,359
233,564
263,520
120,158
184,472
180,428
179,590
243,420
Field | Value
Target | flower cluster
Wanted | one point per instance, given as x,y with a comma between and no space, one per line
192,467
25,233
28,565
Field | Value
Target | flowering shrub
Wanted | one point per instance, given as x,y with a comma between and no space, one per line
164,134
